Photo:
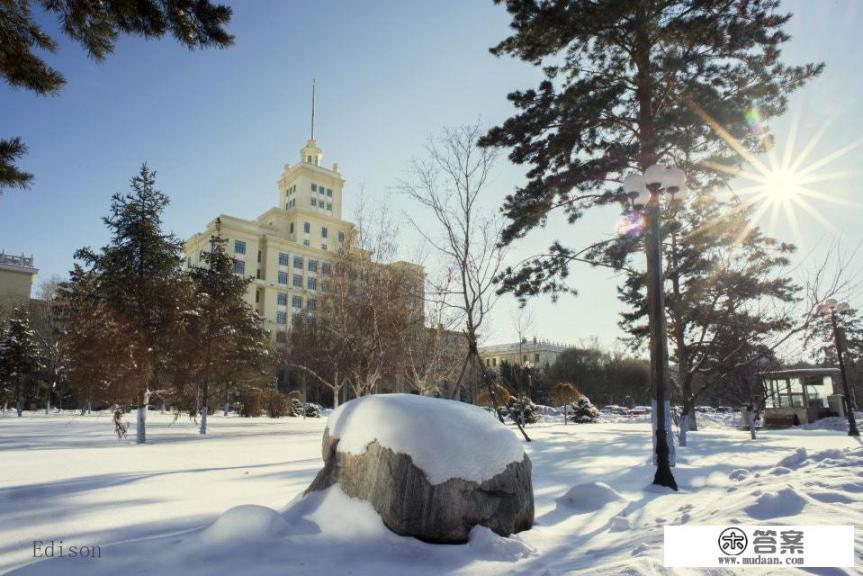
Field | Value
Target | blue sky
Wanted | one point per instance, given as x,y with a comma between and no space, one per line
218,126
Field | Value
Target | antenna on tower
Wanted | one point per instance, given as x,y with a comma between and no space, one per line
313,108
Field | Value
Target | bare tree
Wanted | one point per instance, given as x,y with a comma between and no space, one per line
370,307
449,183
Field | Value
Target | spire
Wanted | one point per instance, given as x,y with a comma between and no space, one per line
313,109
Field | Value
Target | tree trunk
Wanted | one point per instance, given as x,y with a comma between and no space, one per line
141,424
226,408
684,427
205,402
564,414
750,419
48,405
19,401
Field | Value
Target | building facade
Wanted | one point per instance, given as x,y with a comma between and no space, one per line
17,276
289,248
534,353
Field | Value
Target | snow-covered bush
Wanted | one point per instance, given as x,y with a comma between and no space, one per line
522,409
296,409
582,411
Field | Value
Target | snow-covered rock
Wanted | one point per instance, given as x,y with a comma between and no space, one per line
590,496
431,468
445,438
244,523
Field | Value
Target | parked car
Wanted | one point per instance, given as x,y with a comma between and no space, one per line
640,410
725,410
614,409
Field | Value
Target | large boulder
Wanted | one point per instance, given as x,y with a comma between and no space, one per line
431,468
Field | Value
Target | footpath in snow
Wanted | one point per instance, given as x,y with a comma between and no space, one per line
222,504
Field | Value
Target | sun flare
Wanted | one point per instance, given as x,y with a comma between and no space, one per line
786,183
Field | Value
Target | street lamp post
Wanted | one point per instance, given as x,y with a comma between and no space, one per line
645,191
830,308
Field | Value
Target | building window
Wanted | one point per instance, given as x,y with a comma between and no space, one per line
326,268
313,284
283,277
282,299
298,281
314,203
310,304
324,246
306,242
329,192
281,317
259,255
307,227
283,259
281,336
258,274
341,236
536,358
324,232
296,302
298,262
329,206
239,267
313,265
292,228
239,247
257,296
314,187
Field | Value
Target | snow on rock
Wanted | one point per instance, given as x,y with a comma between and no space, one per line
590,496
242,524
432,469
432,431
785,502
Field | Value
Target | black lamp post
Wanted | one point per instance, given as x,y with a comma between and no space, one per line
645,191
830,308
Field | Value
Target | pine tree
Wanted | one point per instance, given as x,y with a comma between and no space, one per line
19,355
108,358
223,328
95,26
725,292
137,278
583,412
630,84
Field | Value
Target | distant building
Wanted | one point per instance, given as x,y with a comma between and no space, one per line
289,249
539,353
17,276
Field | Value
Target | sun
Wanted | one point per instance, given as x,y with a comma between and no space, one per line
787,183
782,185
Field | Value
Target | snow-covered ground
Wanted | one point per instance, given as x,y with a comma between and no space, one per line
161,508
